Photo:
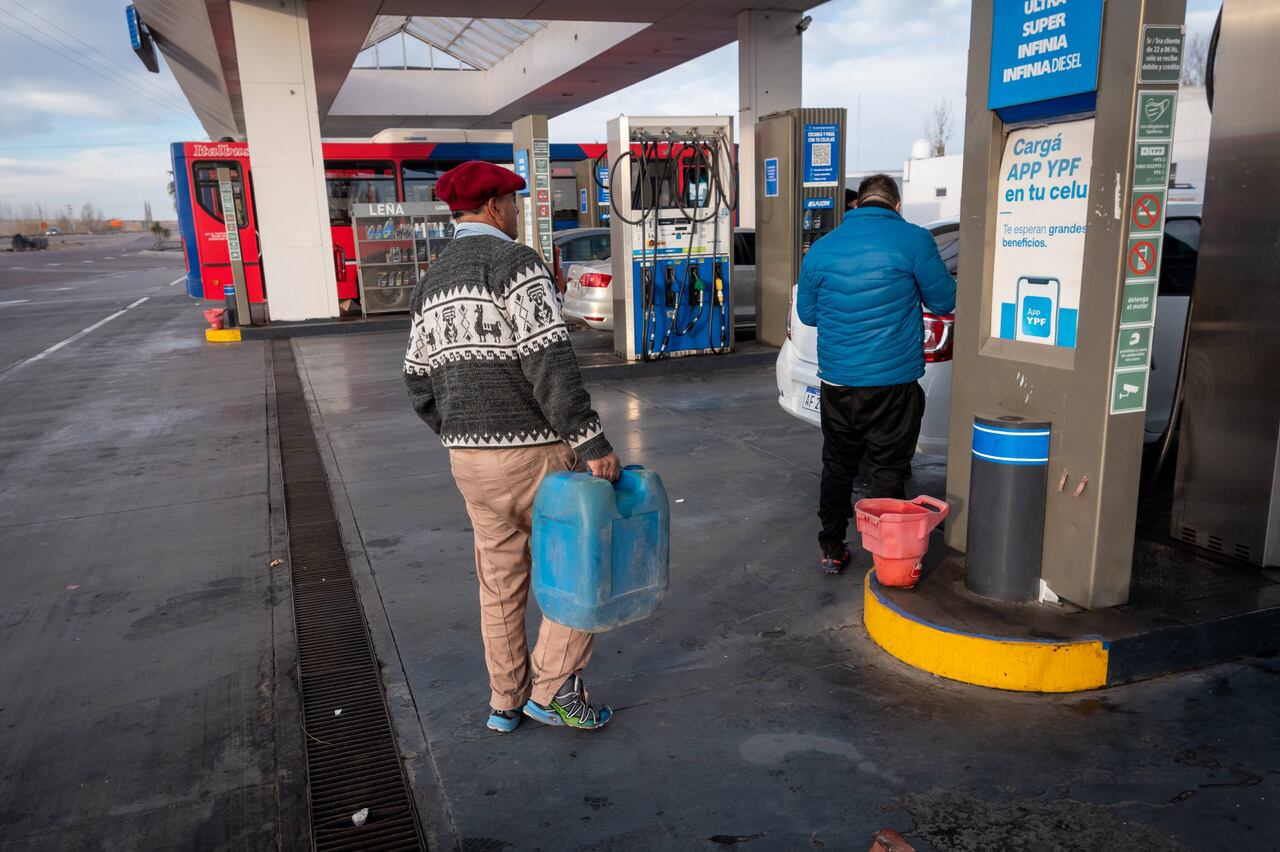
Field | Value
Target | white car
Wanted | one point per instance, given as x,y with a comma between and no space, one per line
797,366
588,293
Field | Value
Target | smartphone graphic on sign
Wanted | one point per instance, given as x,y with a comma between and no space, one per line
1038,309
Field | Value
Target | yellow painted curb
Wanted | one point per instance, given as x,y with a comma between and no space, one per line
1021,665
222,335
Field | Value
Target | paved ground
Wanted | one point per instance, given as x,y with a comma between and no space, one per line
146,700
753,712
47,296
139,679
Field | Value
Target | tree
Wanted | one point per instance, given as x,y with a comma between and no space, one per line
173,192
161,234
937,128
1195,59
87,217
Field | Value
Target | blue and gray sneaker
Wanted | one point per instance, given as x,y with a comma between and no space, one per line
570,708
503,721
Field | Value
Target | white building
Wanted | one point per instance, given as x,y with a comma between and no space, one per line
931,185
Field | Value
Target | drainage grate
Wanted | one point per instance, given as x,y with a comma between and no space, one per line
352,760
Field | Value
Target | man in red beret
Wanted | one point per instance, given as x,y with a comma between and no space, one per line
490,369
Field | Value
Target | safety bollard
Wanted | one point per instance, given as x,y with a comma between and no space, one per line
1007,485
230,319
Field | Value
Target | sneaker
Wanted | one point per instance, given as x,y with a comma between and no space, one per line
570,708
503,721
836,564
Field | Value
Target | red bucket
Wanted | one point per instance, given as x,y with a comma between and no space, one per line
897,534
214,316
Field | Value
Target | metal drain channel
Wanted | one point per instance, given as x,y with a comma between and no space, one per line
352,759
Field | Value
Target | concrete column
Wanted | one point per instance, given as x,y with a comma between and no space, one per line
769,73
529,135
277,85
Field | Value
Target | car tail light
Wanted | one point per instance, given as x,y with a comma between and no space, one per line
790,305
937,337
595,279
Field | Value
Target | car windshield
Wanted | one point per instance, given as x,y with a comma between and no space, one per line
586,247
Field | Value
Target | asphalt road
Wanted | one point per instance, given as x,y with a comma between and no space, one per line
48,297
139,690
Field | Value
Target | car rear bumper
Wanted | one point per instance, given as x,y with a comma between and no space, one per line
795,376
595,312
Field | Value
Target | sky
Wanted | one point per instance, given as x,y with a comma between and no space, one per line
82,121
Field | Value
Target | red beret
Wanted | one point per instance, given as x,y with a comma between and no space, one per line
471,184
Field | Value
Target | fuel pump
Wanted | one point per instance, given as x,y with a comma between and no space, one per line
799,198
672,195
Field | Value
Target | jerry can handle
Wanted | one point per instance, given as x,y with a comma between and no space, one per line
940,506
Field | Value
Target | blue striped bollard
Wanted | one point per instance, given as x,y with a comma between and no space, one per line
1007,486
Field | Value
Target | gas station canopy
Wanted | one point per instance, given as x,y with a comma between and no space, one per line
503,59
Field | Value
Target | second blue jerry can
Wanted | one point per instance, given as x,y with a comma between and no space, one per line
601,550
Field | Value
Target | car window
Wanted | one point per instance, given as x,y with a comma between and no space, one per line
574,250
584,247
744,248
949,249
205,174
349,182
598,247
1180,256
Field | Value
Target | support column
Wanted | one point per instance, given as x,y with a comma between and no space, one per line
1095,449
532,154
769,74
282,125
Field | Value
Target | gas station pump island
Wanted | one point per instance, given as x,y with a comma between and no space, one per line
671,192
1066,174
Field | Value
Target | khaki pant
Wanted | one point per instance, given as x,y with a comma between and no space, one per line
498,486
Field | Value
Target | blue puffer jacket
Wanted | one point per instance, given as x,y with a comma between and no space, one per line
862,285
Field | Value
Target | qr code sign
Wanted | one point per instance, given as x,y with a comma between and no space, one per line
822,154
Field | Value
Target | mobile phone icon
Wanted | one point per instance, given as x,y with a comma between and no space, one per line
1038,309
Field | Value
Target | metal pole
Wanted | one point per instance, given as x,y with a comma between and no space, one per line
243,317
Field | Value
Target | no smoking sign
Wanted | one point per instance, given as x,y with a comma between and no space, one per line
1147,211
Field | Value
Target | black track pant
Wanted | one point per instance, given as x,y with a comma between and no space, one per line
878,424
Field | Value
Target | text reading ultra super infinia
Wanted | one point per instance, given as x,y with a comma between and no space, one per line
1043,37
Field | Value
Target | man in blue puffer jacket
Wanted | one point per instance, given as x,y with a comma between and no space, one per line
862,286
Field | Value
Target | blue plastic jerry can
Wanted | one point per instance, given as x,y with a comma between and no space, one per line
601,550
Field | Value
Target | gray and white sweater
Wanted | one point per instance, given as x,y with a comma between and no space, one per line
489,362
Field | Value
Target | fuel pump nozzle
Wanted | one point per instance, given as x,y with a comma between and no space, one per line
671,291
696,291
719,284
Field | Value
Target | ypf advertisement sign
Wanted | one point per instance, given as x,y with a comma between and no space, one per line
1040,231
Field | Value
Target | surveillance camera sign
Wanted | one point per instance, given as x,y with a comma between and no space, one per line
1040,230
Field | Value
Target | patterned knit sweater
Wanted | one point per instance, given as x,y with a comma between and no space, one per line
489,362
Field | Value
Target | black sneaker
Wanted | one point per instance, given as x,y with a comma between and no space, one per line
836,564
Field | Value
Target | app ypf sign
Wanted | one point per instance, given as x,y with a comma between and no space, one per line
1040,229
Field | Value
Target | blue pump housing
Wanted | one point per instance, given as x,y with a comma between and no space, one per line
601,550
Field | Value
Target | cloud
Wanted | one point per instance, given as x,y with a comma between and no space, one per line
18,94
901,59
118,180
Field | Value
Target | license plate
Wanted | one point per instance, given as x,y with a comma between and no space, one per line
812,399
